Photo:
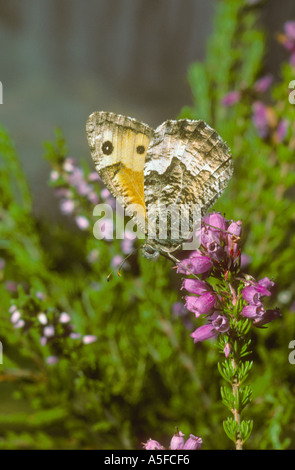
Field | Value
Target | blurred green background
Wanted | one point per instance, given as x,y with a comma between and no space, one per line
92,364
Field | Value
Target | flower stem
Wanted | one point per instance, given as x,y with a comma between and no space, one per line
236,411
235,344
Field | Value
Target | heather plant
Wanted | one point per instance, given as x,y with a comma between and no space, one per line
231,301
89,363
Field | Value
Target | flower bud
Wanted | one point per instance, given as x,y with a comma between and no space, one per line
152,445
42,318
88,339
64,317
177,441
226,349
193,443
49,331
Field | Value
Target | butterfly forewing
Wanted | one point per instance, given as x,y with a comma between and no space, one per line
118,147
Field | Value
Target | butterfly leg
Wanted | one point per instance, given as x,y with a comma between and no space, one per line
179,263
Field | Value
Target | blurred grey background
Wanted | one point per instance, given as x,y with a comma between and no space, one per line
60,60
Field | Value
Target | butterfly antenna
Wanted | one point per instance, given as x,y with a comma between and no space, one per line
221,229
122,264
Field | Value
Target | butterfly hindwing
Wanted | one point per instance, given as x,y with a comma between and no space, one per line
118,147
187,163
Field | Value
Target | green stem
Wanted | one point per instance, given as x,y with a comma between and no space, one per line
235,411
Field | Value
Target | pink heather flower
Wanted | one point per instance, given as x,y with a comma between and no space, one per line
88,339
117,260
15,316
213,235
259,315
93,176
127,247
177,441
260,119
75,335
252,311
194,286
63,192
76,177
233,238
69,164
215,251
218,324
11,286
190,305
203,332
253,294
231,98
268,316
197,264
93,197
179,309
54,175
43,341
281,130
40,295
105,193
82,222
217,223
289,28
288,40
12,309
193,443
67,206
49,331
263,84
19,324
266,282
200,305
93,256
64,317
42,318
245,260
127,243
153,445
83,188
51,360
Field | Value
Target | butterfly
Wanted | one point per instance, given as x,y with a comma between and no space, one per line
182,162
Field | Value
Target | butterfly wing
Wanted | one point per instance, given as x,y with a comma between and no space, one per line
187,163
118,147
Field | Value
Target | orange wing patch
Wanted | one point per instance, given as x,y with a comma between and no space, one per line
127,182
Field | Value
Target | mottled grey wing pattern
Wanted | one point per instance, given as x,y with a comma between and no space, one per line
187,162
